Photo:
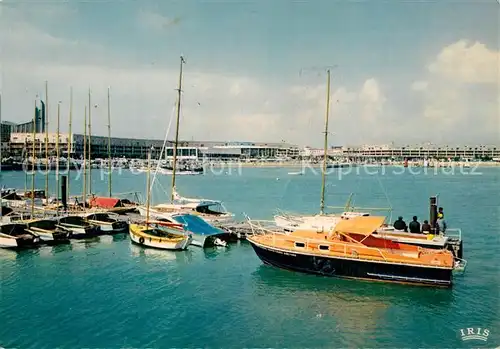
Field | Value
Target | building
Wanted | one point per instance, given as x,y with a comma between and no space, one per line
27,127
22,143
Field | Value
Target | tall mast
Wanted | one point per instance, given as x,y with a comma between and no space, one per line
47,162
148,189
174,166
70,136
109,146
90,146
57,156
1,193
33,167
84,194
325,156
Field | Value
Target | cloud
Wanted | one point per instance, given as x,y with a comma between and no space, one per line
468,63
221,106
153,20
419,85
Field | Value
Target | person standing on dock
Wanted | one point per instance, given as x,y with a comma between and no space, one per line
414,226
441,223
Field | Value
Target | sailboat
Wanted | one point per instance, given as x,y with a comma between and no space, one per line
195,214
320,222
162,235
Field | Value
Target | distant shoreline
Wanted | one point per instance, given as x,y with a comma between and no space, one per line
300,165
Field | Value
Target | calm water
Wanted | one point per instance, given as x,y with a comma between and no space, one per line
110,293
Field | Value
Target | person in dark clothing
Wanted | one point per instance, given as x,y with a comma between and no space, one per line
400,224
426,227
414,226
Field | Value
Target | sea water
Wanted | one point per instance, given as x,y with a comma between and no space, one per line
109,293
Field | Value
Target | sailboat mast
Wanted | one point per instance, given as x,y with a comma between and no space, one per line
33,167
90,146
1,193
84,165
148,189
325,156
174,166
47,163
57,156
109,146
70,136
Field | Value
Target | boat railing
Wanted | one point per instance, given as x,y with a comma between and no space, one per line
454,233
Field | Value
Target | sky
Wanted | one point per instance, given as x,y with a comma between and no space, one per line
408,72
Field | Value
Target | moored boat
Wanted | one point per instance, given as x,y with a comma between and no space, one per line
107,223
15,236
204,234
48,231
164,235
351,250
79,228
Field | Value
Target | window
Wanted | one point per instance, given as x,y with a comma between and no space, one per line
324,247
300,244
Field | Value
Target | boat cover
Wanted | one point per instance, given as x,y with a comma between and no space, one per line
365,225
196,225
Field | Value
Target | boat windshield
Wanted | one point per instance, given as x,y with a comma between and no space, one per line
210,208
196,224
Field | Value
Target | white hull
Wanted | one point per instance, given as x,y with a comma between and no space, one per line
317,223
8,242
164,245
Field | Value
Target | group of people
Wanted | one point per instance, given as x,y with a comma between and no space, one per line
416,228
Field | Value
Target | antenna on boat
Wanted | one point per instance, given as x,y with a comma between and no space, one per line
174,165
109,145
325,155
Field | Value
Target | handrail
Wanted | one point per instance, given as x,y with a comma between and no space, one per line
457,235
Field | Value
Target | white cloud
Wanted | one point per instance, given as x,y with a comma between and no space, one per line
153,20
419,85
468,63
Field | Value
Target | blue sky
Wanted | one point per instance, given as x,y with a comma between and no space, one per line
246,58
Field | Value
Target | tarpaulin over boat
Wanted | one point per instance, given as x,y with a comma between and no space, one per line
365,225
104,202
196,225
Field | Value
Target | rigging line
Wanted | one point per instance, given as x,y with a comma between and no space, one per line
163,146
386,196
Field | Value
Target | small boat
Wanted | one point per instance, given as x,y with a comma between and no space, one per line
15,236
107,223
162,235
298,173
204,234
352,251
48,231
80,229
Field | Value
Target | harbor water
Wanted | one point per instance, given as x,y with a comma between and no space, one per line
109,293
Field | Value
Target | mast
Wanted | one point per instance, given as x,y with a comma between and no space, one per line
57,156
47,164
1,193
109,146
148,189
90,146
70,136
84,194
325,156
174,166
33,167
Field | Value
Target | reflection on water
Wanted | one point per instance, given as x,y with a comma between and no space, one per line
158,254
106,239
352,306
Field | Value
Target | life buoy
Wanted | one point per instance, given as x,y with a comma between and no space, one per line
141,240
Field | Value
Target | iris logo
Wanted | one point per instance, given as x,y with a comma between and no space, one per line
471,333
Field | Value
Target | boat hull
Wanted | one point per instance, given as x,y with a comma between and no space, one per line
353,268
164,245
